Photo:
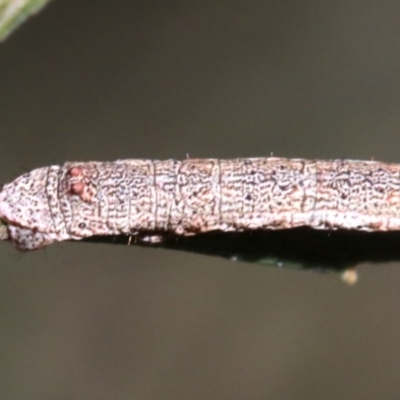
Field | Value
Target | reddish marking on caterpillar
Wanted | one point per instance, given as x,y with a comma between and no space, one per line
75,171
79,183
77,188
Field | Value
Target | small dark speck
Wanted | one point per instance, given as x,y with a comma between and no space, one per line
248,197
82,225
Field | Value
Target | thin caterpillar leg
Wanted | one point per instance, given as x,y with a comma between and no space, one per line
4,235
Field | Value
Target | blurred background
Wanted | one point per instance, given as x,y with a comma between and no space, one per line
90,80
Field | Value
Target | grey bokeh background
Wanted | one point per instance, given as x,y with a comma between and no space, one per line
91,80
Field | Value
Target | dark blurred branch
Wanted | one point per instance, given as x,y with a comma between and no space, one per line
301,248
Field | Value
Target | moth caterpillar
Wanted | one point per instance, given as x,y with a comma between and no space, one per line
152,198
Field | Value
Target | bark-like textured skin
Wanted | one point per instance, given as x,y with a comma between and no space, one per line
150,197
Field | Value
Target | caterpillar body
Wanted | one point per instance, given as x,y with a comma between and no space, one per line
152,198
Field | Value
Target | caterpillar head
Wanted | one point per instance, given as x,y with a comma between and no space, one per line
25,210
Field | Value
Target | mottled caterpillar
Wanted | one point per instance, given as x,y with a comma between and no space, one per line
152,198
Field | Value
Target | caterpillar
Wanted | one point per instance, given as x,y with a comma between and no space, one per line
153,198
